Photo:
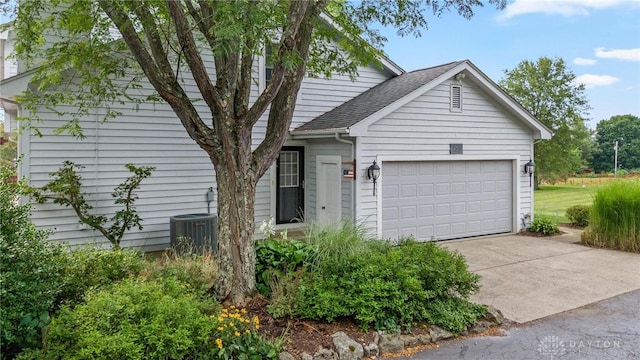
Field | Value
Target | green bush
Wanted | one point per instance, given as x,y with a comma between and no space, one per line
30,271
391,286
133,319
543,226
90,268
276,258
615,217
578,214
198,271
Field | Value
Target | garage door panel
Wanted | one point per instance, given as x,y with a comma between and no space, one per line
426,232
425,189
443,189
409,170
458,188
409,190
459,208
390,191
425,211
409,212
503,185
390,213
489,205
474,187
446,199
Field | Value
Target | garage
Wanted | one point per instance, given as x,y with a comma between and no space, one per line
439,200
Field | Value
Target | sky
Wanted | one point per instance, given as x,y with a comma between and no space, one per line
599,40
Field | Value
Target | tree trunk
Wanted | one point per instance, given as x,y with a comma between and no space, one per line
236,251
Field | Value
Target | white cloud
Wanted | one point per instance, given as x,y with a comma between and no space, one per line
591,81
619,54
584,62
558,7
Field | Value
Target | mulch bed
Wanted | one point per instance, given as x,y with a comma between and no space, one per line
304,335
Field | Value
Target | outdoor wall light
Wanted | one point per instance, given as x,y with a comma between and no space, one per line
373,173
529,169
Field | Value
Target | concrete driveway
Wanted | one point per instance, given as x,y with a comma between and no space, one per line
529,278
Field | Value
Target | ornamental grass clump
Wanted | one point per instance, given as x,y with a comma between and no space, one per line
615,217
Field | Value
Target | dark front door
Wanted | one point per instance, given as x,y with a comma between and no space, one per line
290,185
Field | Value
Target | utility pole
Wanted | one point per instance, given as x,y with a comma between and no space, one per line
615,161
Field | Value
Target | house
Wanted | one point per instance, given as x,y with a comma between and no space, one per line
449,143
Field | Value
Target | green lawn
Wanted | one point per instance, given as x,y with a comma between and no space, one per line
552,201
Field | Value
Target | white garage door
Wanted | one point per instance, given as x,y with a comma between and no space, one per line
446,199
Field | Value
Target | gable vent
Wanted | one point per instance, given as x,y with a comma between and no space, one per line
456,98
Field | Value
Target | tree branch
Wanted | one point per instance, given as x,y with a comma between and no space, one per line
162,82
194,60
304,14
299,11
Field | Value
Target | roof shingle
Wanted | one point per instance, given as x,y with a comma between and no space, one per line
375,99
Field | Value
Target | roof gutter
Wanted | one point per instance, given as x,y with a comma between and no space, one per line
318,134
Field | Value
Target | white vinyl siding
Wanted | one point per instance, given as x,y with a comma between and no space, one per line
318,95
153,135
328,147
424,128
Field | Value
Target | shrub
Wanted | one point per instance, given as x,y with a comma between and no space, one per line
578,214
276,258
65,189
132,319
30,271
90,268
615,217
543,226
392,286
199,271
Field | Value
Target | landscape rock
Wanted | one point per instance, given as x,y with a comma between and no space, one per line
325,354
371,350
348,349
285,356
437,333
493,315
409,340
306,356
390,343
423,339
480,326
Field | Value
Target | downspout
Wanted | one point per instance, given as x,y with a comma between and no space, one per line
2,43
353,158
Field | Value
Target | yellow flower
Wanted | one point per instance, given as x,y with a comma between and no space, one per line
237,333
244,311
219,343
247,331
